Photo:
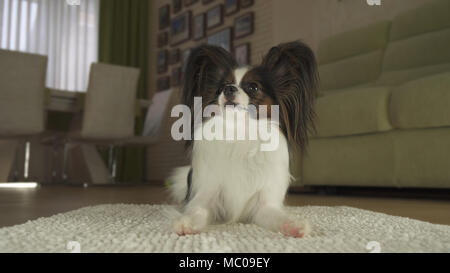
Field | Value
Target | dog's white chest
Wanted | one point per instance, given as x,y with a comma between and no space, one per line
235,173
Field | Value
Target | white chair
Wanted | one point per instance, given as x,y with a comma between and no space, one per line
22,112
108,118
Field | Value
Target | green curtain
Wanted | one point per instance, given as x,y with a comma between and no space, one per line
123,40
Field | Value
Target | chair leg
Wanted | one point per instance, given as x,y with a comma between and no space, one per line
8,160
26,164
64,167
16,164
54,160
83,164
112,162
114,170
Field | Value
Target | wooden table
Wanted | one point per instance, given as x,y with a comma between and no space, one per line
72,102
85,164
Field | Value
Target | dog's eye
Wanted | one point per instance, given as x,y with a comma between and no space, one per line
252,87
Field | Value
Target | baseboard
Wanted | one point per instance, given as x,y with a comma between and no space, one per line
413,193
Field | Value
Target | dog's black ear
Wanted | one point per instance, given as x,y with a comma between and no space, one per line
205,70
294,76
206,67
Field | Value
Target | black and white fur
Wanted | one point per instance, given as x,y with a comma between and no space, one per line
234,181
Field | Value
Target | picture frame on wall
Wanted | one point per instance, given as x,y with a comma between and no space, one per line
162,61
199,27
222,38
164,16
163,39
231,7
163,84
244,25
176,76
242,54
214,17
188,3
177,5
174,56
246,3
180,28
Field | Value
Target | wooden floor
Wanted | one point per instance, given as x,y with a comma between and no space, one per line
20,205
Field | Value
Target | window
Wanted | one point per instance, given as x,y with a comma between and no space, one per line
65,31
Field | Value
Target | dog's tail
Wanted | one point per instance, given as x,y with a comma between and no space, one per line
178,184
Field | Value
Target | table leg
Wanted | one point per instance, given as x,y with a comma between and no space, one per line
8,151
84,165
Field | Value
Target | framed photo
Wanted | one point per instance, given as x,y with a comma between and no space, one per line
162,61
163,39
176,76
199,27
174,56
242,54
177,5
188,3
163,83
246,3
243,25
221,38
206,2
164,16
180,29
214,17
231,7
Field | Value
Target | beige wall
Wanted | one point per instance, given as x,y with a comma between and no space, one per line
276,21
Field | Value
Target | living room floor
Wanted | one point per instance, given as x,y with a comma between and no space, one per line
20,205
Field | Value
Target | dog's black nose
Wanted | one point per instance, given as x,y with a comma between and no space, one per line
229,91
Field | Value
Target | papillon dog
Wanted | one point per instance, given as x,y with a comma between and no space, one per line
236,180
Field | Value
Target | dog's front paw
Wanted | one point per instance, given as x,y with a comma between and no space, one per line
296,228
184,226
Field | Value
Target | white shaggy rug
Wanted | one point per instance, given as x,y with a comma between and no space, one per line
147,228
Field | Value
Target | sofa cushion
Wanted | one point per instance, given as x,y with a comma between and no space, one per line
418,44
353,43
355,111
353,71
350,161
398,77
429,17
352,58
422,157
418,51
422,103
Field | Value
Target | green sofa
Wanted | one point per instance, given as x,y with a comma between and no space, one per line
383,115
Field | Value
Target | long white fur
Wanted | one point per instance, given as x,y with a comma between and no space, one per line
234,181
178,189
